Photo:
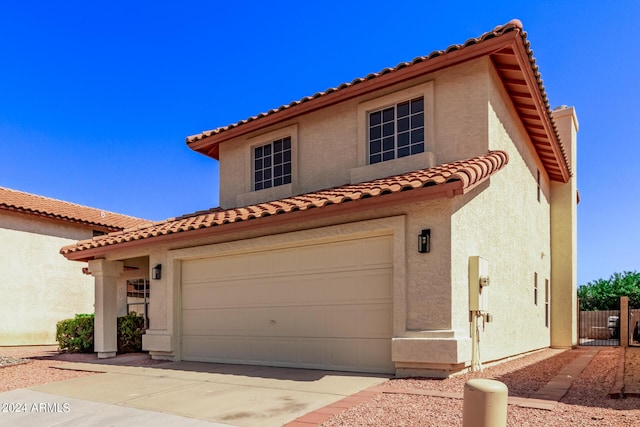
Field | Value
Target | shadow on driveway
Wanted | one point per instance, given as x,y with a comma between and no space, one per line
234,394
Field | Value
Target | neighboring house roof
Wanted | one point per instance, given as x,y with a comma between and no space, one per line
446,180
506,45
18,201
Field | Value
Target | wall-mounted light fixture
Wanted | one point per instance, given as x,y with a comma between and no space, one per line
424,241
156,272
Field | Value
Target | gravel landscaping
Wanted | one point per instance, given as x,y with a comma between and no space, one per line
33,366
586,404
22,367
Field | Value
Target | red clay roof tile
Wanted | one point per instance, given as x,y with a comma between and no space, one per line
469,173
503,29
32,204
555,165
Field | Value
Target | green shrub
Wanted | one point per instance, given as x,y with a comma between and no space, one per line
76,335
130,330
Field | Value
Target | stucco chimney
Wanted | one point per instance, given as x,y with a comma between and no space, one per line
567,124
564,238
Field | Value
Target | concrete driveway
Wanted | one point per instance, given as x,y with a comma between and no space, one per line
235,395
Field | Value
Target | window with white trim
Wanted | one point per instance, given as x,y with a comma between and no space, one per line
138,298
396,131
272,164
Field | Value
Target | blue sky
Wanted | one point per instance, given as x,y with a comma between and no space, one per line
96,98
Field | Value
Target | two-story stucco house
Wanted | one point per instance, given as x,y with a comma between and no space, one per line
38,288
385,225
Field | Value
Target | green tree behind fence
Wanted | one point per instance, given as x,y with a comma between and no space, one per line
604,294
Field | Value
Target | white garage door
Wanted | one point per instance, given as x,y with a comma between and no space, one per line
322,306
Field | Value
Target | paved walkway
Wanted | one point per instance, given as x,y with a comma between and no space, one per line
28,408
632,372
627,382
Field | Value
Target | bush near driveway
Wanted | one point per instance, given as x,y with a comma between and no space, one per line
76,335
130,330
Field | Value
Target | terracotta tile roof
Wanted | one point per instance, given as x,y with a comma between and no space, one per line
32,204
537,120
511,26
462,175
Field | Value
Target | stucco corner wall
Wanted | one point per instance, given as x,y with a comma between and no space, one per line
564,244
504,222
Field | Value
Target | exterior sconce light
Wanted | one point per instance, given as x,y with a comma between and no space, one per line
424,241
156,272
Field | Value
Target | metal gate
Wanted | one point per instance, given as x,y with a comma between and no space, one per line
634,326
600,328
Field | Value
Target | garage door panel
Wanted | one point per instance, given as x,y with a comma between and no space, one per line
364,321
222,268
377,252
285,352
236,349
337,354
337,256
260,351
328,288
356,286
324,306
254,292
203,348
375,353
314,353
376,321
367,322
352,254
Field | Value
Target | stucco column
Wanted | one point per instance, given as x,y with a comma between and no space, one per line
624,321
564,239
105,327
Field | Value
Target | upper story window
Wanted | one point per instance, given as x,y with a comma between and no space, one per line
272,164
396,131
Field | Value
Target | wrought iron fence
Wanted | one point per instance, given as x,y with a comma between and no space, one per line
599,328
634,326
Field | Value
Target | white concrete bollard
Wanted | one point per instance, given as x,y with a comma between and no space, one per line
485,404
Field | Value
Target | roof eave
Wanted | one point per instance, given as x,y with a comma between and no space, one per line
542,131
209,145
109,228
557,167
447,190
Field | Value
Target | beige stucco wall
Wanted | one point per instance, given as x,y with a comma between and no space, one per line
38,286
504,222
326,143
